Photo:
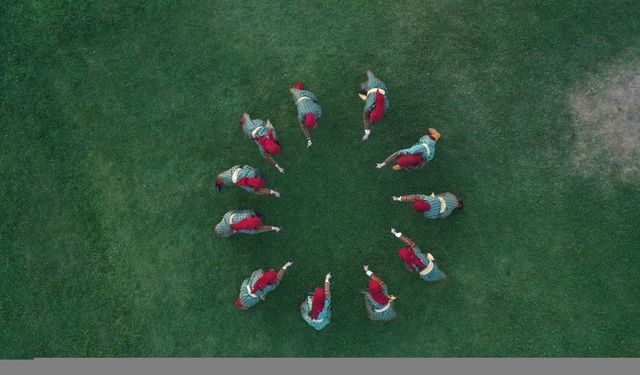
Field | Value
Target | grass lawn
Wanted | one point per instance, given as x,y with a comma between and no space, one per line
117,116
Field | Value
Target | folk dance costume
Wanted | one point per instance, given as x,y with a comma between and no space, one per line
242,221
416,261
374,92
255,288
316,308
308,109
246,177
415,156
377,299
433,206
265,137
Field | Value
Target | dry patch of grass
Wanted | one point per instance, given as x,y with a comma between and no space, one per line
606,113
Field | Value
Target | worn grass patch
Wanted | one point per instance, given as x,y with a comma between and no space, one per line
607,124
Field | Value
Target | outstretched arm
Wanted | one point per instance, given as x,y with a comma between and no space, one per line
305,132
410,198
273,162
367,125
267,228
403,238
265,191
283,270
327,293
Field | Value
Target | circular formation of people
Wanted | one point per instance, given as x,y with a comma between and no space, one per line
316,308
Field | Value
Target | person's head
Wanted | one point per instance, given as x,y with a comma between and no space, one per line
421,205
317,303
298,85
434,134
410,258
251,222
239,303
269,144
254,182
310,120
408,161
377,293
378,111
267,278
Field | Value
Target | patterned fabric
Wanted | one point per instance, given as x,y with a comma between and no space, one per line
306,105
373,82
419,148
246,299
260,127
450,200
324,318
245,171
223,228
435,273
388,314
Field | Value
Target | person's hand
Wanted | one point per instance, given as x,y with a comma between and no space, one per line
276,229
396,233
380,165
287,265
309,143
326,279
395,198
276,194
366,268
279,168
365,137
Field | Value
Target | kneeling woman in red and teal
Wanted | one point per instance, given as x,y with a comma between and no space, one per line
433,206
377,299
415,261
415,156
246,177
255,288
265,136
316,308
308,109
242,221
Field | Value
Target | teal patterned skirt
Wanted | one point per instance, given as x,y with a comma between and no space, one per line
451,202
323,319
376,311
245,296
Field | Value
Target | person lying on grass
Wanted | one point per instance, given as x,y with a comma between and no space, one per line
242,221
265,137
246,177
374,93
415,261
308,109
377,300
433,206
415,156
255,288
316,308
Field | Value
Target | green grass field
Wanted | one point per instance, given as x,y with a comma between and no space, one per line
116,117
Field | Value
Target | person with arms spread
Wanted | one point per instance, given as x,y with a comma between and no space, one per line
242,221
415,156
308,109
265,137
316,308
246,177
378,301
374,93
255,288
416,261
